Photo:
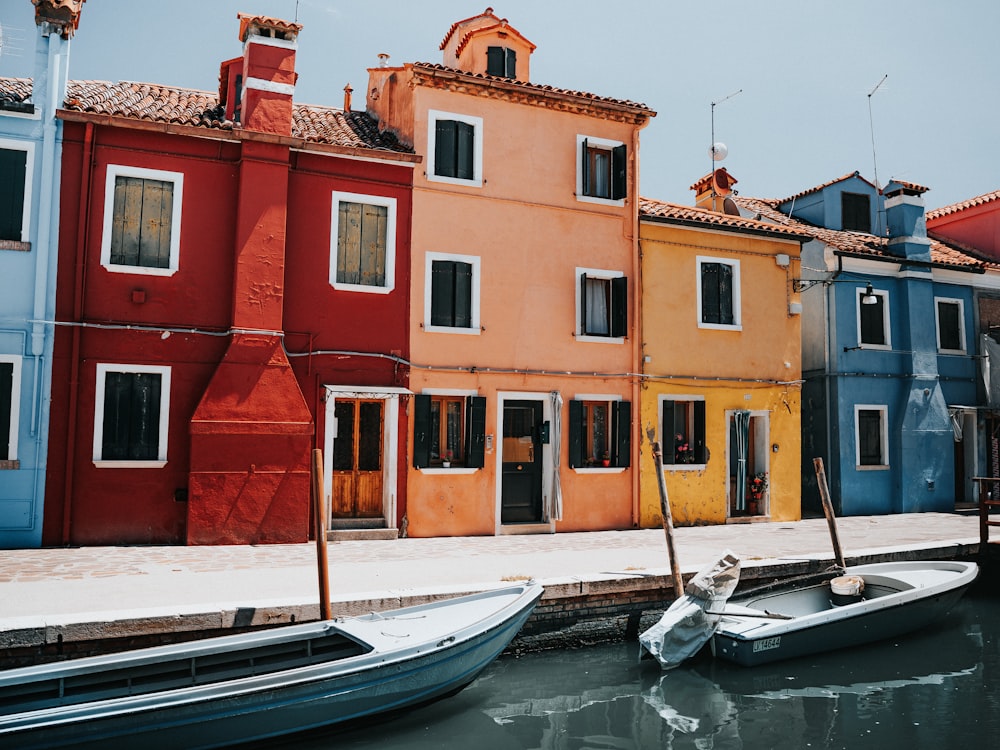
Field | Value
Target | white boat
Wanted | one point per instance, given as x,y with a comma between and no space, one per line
241,688
876,601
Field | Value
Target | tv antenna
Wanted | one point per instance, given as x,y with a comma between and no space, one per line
718,151
871,125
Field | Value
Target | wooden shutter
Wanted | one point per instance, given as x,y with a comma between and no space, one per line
6,407
442,292
619,172
700,448
511,71
421,431
495,61
117,407
125,221
583,304
349,243
463,295
667,443
585,168
13,167
445,138
154,230
726,294
145,417
619,307
872,321
621,419
576,457
475,441
374,224
717,293
465,150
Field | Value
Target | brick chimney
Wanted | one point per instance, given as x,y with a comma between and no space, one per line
63,16
713,192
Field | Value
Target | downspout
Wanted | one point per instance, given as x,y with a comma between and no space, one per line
637,333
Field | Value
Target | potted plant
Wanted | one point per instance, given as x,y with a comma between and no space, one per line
758,488
606,459
446,463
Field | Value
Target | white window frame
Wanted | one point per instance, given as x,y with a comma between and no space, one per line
961,324
177,179
883,433
433,116
461,393
886,327
737,324
102,371
29,176
607,399
474,261
16,361
593,142
594,273
659,421
390,241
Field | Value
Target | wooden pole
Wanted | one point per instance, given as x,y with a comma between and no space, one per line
319,526
668,523
824,493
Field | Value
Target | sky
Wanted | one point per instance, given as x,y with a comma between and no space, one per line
805,91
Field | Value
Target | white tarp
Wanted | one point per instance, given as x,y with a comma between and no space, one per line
690,621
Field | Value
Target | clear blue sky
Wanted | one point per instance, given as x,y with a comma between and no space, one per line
805,70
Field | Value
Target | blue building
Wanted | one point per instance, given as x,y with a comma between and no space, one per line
889,351
30,137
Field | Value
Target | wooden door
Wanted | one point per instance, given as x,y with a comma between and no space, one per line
521,481
356,482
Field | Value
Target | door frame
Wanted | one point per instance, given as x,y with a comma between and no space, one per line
545,527
390,443
762,447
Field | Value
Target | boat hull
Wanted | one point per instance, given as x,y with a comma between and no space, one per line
258,708
896,609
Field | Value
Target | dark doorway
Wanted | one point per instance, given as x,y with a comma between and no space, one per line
521,481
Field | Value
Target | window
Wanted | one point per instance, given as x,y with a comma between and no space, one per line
131,415
16,160
855,212
501,61
602,304
871,434
718,293
602,171
363,243
600,432
682,430
449,428
10,403
873,320
455,148
950,324
142,221
451,293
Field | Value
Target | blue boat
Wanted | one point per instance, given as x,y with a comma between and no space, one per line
241,688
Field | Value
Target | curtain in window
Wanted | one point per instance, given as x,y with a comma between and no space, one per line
555,509
595,307
741,423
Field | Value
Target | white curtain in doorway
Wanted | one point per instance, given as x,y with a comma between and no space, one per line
957,417
741,423
555,509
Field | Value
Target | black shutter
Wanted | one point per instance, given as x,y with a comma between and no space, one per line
585,169
621,419
619,172
583,304
619,307
949,327
667,436
511,63
475,434
421,431
145,418
464,150
709,292
700,449
463,295
442,293
726,295
445,139
13,167
495,61
6,405
117,403
576,434
872,317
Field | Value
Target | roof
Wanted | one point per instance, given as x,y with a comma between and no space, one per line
654,209
15,90
247,19
488,13
863,244
979,200
827,184
152,102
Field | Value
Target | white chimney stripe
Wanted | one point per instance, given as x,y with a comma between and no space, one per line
270,41
273,86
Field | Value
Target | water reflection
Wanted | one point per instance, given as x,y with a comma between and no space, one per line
935,689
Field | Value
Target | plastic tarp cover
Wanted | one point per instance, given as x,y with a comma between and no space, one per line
691,620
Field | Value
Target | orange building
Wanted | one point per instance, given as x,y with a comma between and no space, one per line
523,325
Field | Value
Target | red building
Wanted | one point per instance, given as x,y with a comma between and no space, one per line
232,293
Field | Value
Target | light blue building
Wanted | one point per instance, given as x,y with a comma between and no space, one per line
30,142
888,349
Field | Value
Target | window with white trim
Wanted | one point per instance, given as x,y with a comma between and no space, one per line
454,148
17,167
131,415
950,319
363,243
600,431
871,436
682,430
873,319
10,407
501,61
601,304
451,293
449,430
719,293
142,220
602,170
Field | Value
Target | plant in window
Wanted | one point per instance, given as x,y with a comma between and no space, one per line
606,459
758,486
446,462
682,450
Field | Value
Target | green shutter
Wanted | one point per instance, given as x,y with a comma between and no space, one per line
463,295
442,292
619,307
475,432
511,63
700,447
619,172
668,444
585,169
13,167
465,151
495,61
576,457
621,420
421,431
445,138
6,407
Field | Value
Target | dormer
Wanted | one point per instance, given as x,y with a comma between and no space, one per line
487,45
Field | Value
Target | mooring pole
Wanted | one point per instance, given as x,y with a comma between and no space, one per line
831,520
668,523
319,525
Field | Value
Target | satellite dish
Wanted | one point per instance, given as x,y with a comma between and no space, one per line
718,152
730,208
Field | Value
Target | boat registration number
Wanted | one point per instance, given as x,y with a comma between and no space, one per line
767,644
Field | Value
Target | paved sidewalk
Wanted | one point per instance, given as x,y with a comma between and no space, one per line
42,588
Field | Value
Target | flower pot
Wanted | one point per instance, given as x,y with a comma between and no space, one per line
606,462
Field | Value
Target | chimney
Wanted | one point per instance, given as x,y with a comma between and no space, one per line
264,101
347,97
713,191
907,224
62,16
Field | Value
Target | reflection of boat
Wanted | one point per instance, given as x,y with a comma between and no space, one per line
234,689
894,598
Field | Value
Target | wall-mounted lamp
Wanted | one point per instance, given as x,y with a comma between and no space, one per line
869,298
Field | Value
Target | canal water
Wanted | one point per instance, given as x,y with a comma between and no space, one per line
938,689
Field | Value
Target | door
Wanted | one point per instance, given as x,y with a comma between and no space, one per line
521,479
356,479
748,464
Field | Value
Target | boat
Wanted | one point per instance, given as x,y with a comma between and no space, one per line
254,686
866,603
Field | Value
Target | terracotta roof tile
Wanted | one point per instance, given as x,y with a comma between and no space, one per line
15,89
661,209
817,188
246,19
915,187
979,200
488,13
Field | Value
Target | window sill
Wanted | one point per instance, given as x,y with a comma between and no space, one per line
875,347
720,327
600,339
139,270
873,467
475,182
684,467
10,464
24,247
449,470
450,329
618,203
130,464
363,288
599,469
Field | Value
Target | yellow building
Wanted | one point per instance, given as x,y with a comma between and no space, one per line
721,362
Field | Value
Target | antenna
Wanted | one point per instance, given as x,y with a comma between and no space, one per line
718,151
871,125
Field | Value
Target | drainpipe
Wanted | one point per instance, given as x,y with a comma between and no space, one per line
637,331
